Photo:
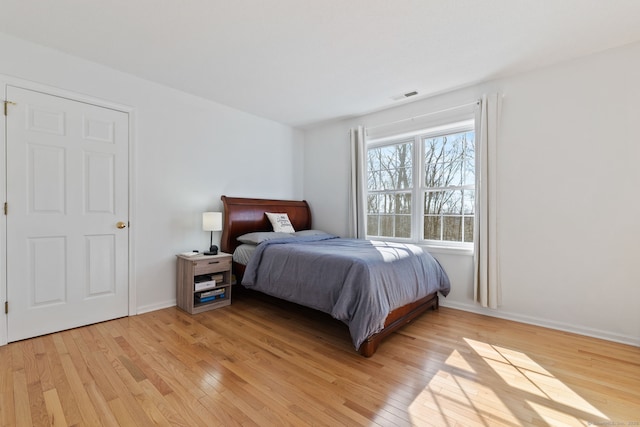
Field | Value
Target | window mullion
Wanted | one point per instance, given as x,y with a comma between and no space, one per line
417,213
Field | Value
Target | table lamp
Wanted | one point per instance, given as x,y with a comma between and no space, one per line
212,221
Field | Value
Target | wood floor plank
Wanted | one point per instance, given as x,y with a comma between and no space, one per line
54,408
7,403
71,411
108,417
79,393
122,415
130,397
37,406
259,362
29,357
21,408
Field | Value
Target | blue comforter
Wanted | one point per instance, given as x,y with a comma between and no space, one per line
356,281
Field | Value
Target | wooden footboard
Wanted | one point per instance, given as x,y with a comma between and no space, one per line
396,319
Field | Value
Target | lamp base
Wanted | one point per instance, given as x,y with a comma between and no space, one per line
213,250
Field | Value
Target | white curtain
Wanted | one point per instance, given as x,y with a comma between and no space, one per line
357,203
487,275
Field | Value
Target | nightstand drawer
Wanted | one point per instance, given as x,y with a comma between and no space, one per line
205,266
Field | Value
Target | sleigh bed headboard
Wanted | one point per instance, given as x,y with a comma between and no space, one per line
243,215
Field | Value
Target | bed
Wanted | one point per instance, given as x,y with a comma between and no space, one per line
290,266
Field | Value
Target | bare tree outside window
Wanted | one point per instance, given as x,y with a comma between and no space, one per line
449,183
445,183
390,185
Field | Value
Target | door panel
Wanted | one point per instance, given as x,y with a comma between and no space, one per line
45,174
100,260
46,274
99,183
67,187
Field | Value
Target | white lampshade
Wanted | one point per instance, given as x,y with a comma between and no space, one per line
212,221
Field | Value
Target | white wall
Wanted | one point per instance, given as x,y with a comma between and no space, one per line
568,205
188,152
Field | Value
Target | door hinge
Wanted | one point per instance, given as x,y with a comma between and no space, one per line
6,307
6,207
6,106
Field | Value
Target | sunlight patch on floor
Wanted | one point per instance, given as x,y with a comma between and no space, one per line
457,361
519,371
556,418
491,385
456,397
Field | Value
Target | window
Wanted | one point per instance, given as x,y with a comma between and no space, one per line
421,186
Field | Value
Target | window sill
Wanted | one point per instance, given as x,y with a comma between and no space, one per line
448,250
432,248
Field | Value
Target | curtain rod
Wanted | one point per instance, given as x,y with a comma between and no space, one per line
476,102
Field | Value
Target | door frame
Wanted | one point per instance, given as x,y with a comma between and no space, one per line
73,96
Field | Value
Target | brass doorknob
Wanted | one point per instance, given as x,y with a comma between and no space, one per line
121,224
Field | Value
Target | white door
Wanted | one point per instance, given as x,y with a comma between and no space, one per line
67,189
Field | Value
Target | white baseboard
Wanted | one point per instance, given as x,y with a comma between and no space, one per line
594,333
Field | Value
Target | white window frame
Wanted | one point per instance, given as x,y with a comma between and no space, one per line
463,124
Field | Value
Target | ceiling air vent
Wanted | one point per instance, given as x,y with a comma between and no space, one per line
404,95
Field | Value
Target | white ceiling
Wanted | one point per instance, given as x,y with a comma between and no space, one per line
301,62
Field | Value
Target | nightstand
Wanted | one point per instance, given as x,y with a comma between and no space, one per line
204,282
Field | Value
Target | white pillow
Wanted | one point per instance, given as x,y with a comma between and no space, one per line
280,222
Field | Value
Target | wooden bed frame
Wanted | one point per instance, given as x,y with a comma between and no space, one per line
244,215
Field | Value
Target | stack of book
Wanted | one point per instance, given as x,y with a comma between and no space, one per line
207,281
211,295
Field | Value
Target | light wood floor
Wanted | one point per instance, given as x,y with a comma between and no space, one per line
258,364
